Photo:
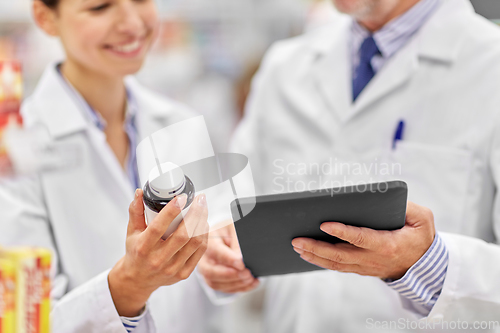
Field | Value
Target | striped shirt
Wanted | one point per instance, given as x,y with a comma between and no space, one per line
423,282
131,323
393,36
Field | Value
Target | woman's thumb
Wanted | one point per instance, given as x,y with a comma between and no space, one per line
136,214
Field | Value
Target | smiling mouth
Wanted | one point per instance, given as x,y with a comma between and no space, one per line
129,48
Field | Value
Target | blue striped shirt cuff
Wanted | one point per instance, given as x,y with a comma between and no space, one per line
423,282
131,323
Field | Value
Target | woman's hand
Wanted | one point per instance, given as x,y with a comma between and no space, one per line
151,262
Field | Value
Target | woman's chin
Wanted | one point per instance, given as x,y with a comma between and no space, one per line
122,70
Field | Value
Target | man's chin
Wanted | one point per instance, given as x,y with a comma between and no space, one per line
355,8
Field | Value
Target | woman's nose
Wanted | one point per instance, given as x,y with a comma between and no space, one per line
128,19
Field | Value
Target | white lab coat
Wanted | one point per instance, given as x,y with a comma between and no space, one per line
81,213
444,84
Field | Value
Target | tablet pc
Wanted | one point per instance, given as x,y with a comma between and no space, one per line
265,234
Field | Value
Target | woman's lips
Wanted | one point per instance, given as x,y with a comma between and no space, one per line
128,50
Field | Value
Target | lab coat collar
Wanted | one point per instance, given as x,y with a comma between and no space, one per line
148,102
331,67
442,37
438,37
63,113
55,105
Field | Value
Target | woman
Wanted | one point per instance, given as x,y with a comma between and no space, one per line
81,213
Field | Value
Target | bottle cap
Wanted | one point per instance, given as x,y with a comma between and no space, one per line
169,182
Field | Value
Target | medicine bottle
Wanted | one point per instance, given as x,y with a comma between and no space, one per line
162,187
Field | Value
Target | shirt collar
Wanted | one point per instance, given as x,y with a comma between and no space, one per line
94,116
394,35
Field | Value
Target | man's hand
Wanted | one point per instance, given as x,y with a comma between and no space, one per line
384,254
222,266
151,262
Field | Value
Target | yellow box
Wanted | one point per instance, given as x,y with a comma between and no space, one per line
44,261
32,271
7,296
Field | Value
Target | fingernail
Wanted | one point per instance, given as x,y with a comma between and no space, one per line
297,244
136,194
202,200
299,251
181,201
328,227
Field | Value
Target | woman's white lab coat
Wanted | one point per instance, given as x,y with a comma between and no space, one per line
81,213
444,85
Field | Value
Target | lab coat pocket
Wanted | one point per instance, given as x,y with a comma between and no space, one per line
437,177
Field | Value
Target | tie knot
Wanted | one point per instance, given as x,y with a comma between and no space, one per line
368,49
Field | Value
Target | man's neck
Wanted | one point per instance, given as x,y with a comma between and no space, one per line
381,16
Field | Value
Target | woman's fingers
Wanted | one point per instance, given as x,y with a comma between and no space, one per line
222,274
197,216
235,287
179,259
195,222
184,259
189,266
162,221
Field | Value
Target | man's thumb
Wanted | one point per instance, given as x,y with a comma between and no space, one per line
418,215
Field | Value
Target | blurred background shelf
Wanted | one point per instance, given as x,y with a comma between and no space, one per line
206,54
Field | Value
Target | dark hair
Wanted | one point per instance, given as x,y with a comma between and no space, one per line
50,3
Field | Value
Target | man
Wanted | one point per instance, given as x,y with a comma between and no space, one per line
408,87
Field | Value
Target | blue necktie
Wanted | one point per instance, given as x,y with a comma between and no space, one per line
364,72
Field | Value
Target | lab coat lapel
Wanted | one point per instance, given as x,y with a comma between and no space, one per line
395,74
438,40
62,112
332,70
154,113
100,145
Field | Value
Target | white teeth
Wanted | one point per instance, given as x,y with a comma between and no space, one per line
128,48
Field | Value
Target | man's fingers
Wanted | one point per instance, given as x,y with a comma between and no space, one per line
161,222
136,214
328,264
327,251
361,237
